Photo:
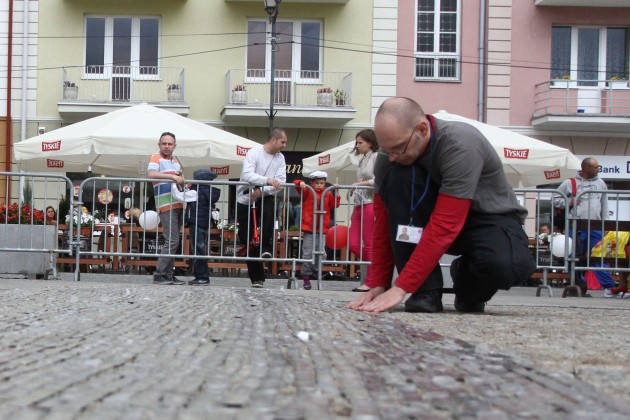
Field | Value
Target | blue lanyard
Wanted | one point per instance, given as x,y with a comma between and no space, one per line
413,207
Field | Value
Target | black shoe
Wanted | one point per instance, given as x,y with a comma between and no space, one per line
199,282
258,284
176,281
266,254
477,307
159,279
429,301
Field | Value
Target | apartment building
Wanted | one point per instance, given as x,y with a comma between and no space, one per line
209,61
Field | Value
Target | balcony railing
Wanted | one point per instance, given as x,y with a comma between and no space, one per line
123,84
293,88
578,97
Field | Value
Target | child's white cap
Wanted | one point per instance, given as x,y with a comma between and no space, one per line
318,175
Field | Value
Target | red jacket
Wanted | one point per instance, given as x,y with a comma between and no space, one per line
307,207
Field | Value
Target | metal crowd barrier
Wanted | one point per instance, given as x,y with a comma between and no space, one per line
29,240
613,227
130,237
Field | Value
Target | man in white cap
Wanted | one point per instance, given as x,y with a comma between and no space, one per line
311,201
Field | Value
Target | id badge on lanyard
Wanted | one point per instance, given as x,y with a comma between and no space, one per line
410,233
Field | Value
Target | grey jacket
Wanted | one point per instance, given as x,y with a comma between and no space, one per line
592,206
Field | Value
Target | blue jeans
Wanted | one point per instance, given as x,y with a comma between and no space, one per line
198,246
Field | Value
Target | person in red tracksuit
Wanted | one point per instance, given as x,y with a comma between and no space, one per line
310,241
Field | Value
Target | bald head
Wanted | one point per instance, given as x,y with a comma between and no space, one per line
401,111
590,168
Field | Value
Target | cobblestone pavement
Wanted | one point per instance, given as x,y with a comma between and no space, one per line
120,347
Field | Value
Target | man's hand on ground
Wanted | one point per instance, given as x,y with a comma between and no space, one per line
365,298
384,301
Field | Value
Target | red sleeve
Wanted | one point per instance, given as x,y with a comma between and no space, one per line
382,267
446,222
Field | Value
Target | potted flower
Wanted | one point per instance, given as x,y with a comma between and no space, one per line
340,97
70,90
617,83
23,227
563,82
324,96
174,92
239,94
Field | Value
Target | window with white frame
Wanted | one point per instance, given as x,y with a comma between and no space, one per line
121,45
298,53
589,55
437,53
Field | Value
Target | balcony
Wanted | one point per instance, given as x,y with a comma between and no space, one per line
296,99
584,3
90,91
582,105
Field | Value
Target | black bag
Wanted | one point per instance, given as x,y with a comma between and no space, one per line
560,213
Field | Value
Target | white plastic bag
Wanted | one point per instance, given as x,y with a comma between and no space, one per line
186,195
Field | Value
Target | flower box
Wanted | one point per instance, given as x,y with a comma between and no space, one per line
324,99
70,92
174,95
239,96
22,236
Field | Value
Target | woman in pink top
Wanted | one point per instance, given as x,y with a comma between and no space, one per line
362,222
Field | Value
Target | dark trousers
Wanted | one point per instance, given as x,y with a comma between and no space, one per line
198,246
265,221
494,255
493,247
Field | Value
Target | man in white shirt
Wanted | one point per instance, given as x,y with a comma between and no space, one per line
264,168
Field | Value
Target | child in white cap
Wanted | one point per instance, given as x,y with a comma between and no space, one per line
309,240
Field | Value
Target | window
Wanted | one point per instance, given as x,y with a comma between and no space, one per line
298,54
437,40
589,54
121,46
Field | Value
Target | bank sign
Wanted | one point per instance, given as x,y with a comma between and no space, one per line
612,167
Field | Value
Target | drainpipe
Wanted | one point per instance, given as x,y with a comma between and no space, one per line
25,37
8,131
482,60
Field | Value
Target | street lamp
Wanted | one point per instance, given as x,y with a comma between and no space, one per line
272,7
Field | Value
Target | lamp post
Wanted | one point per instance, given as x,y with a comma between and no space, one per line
272,7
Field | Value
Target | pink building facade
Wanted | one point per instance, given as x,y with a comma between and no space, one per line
550,69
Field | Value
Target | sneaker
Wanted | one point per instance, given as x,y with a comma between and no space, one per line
624,295
266,254
159,279
176,281
258,284
473,308
307,283
611,293
199,282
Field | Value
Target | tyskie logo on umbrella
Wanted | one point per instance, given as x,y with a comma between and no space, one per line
555,174
54,163
324,160
224,170
515,153
241,151
49,146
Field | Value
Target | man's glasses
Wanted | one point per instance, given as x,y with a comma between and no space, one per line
393,154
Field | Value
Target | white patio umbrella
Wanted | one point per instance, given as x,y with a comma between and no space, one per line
526,161
339,162
120,143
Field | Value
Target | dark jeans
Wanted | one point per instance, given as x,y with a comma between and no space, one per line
265,220
198,246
